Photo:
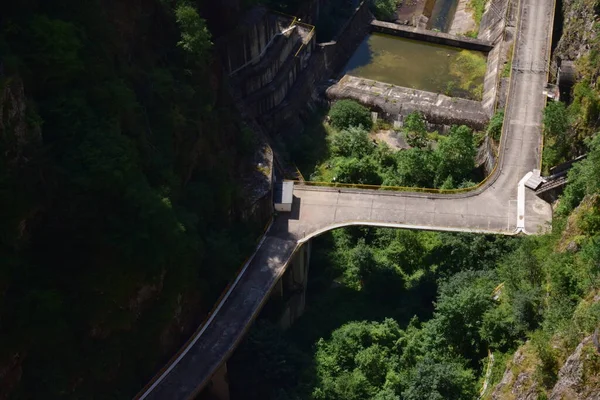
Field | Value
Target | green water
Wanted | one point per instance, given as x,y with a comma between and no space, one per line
419,65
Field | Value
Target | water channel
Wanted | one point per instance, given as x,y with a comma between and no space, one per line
419,65
442,15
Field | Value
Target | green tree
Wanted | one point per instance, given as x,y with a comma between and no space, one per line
522,274
195,37
556,129
351,142
445,380
384,10
347,113
415,129
353,170
582,178
53,50
415,167
455,155
355,363
361,265
462,302
275,362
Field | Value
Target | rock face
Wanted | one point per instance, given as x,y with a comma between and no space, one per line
17,135
522,386
578,378
579,19
575,378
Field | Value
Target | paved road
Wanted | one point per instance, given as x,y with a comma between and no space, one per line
492,209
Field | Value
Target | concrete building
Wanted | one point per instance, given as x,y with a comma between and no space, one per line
283,196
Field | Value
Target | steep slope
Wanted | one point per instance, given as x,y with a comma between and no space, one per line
122,192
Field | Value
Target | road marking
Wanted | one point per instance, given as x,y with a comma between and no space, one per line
521,203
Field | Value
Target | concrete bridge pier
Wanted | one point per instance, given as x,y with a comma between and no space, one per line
290,293
292,286
218,387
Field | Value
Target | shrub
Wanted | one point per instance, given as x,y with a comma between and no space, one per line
347,113
351,142
494,128
384,9
415,129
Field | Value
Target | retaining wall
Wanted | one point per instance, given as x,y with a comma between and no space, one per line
495,27
337,52
493,21
395,102
327,59
431,36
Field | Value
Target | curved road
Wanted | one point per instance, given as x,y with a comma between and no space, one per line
498,207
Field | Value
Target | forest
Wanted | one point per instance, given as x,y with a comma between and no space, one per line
343,150
396,314
120,192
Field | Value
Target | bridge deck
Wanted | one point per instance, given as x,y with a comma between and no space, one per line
492,209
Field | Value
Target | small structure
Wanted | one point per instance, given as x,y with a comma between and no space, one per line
535,180
283,195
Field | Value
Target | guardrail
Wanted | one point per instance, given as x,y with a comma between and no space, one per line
217,305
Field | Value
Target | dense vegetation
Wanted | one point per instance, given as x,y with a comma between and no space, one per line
351,156
119,192
119,204
371,330
539,294
364,334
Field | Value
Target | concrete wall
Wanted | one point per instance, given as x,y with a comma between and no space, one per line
250,39
490,80
493,20
431,36
337,52
264,57
486,156
293,286
327,59
496,27
218,387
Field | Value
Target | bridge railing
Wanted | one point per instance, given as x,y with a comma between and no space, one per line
159,375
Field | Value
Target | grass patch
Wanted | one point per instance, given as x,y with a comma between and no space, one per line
478,8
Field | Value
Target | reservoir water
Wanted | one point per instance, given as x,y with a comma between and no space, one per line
419,65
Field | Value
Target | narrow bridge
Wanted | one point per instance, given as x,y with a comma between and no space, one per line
500,206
